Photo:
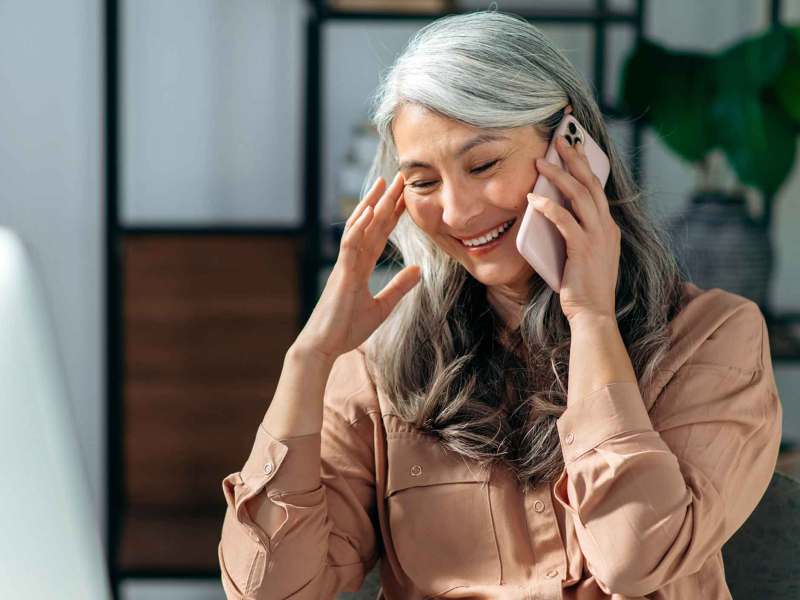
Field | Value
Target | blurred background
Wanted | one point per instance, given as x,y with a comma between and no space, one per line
180,171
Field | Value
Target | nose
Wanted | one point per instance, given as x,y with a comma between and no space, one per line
460,206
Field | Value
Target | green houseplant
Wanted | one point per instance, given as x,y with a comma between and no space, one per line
737,113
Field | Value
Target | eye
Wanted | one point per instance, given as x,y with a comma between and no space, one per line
481,169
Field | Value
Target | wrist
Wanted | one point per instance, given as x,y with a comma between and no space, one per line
592,321
307,353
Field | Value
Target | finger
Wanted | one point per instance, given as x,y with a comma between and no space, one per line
563,219
368,199
581,200
385,207
355,234
400,207
578,164
352,243
398,287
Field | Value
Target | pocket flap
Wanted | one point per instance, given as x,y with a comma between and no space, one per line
417,459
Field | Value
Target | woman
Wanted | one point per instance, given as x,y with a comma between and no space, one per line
481,435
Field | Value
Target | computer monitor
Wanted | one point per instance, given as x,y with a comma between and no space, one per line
50,545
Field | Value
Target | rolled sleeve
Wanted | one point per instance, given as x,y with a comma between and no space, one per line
301,455
614,409
290,465
299,517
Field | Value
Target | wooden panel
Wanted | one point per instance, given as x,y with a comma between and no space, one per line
169,541
207,322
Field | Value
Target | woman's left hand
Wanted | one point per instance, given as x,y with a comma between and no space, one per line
588,285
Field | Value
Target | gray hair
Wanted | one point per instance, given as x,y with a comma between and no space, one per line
439,356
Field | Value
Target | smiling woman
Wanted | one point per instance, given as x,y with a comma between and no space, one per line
464,186
464,113
449,447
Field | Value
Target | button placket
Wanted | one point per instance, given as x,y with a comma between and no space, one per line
546,543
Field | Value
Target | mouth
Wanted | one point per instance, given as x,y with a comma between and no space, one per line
485,246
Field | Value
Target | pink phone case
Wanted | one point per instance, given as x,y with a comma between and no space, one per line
538,239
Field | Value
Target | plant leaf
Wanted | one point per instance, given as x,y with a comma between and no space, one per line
674,88
757,135
787,86
755,62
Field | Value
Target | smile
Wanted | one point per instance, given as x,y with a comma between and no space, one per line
489,237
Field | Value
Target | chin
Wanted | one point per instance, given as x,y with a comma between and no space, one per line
511,273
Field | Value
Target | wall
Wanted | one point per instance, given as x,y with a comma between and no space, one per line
51,193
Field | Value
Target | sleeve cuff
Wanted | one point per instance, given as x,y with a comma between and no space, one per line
614,409
289,465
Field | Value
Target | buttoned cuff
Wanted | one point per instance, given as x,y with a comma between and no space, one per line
614,409
289,465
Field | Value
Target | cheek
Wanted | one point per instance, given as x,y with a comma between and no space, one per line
422,211
512,191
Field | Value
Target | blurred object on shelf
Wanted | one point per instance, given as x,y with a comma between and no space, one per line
784,335
410,6
719,244
350,176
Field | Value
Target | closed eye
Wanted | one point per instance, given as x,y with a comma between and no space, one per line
481,169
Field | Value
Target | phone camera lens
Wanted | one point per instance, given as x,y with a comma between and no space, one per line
572,128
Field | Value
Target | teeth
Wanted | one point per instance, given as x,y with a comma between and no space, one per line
489,236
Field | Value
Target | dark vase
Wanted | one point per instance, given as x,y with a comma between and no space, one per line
719,245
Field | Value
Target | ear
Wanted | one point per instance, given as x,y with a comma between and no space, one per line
568,109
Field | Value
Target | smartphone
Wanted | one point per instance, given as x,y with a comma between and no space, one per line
538,239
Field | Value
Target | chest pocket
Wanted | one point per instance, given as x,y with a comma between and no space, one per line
440,515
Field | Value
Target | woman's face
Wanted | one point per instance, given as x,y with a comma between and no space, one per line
458,187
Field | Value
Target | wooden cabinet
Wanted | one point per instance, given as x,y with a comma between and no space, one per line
207,320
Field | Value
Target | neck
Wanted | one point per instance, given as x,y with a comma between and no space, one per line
508,302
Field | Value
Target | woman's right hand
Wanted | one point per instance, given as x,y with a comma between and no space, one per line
347,313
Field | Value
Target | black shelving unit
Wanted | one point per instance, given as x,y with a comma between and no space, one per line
310,229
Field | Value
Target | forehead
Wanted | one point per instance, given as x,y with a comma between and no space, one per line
421,134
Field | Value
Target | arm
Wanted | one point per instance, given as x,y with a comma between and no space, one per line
299,519
597,357
652,503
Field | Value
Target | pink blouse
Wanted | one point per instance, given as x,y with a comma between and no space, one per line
655,482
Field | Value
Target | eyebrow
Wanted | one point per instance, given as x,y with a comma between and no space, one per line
481,138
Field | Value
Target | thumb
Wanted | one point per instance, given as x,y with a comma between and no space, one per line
398,287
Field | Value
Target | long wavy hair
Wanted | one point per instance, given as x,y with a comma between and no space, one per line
443,357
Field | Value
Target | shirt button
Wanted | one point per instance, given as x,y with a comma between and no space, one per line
552,573
268,468
570,438
538,506
416,470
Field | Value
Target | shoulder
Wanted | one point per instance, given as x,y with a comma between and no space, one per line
350,392
717,327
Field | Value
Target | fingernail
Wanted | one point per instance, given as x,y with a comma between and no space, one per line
537,201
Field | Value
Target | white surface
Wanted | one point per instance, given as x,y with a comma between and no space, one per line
172,590
50,545
51,174
212,106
